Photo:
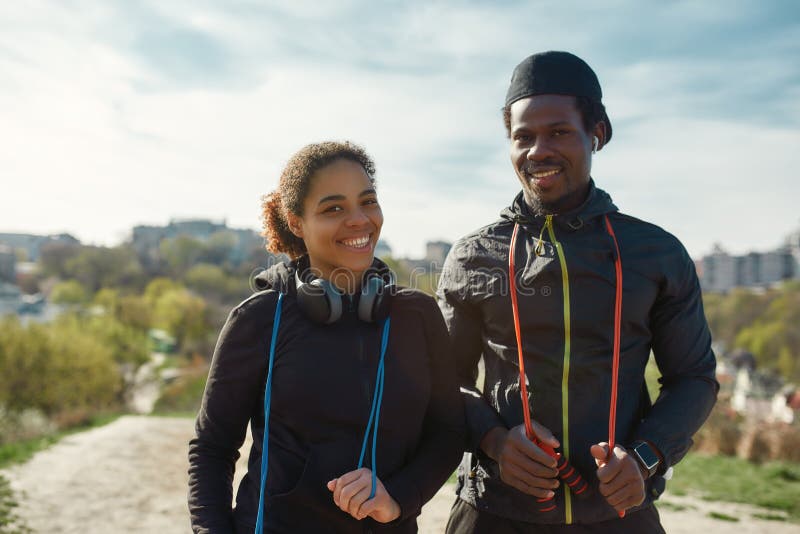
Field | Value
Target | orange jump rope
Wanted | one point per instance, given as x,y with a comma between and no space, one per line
568,474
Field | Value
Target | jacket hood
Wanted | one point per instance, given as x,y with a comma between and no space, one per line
597,204
280,276
276,277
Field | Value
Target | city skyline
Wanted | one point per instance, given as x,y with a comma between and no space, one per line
120,114
716,247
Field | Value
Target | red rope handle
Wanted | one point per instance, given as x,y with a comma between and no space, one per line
612,412
526,410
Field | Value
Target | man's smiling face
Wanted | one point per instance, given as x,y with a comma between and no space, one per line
551,151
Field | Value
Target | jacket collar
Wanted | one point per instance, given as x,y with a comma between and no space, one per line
280,276
597,204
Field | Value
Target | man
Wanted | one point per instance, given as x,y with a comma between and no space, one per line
586,280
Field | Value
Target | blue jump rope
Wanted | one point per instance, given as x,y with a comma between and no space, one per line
372,423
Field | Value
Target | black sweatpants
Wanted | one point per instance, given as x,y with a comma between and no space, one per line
465,519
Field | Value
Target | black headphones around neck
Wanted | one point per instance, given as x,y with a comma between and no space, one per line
322,302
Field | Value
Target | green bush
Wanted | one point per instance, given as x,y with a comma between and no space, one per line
60,369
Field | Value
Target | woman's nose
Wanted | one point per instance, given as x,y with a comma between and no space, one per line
357,218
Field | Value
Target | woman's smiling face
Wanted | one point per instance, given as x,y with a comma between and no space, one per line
341,222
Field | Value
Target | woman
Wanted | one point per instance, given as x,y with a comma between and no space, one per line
363,416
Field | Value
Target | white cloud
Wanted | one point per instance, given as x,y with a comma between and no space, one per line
100,133
706,181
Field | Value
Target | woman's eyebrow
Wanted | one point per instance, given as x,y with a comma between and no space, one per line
330,198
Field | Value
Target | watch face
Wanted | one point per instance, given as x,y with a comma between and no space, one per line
647,456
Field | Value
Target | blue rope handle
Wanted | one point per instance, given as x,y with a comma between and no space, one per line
267,397
375,411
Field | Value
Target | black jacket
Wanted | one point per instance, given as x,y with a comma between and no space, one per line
567,324
322,388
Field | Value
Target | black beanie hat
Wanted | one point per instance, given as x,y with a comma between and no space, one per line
556,73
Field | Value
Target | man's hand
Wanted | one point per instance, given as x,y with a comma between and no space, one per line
523,465
351,495
621,480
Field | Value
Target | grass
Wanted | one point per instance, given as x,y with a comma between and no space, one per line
675,507
769,517
723,517
774,485
9,522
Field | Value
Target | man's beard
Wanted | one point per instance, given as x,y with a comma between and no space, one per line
539,208
568,202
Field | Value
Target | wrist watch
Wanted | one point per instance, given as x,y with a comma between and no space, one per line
646,456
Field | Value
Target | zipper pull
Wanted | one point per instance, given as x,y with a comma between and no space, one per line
548,223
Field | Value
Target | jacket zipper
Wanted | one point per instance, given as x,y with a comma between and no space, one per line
362,359
567,347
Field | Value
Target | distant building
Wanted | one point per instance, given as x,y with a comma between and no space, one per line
146,240
149,237
382,249
720,272
32,244
10,299
8,261
793,244
436,252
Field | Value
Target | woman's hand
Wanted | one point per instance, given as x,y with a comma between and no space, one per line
351,495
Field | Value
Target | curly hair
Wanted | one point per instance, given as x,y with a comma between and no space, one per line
293,188
591,113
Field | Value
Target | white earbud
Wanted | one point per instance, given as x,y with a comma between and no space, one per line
595,143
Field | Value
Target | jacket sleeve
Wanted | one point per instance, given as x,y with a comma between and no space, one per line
465,325
682,350
233,390
443,428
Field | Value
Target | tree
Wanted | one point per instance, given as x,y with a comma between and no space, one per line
180,253
181,314
54,256
764,324
212,282
219,248
71,293
99,267
157,287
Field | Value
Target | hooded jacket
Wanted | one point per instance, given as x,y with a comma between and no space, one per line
566,295
322,387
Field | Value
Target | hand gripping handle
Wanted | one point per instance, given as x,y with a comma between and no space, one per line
566,472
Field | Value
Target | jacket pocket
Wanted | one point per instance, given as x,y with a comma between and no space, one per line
308,505
287,465
287,485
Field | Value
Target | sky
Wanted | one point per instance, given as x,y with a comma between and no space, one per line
118,113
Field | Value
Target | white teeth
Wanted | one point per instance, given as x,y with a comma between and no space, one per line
358,242
544,174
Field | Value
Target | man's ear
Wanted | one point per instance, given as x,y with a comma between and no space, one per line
600,132
295,224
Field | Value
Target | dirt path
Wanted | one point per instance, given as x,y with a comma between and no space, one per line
131,477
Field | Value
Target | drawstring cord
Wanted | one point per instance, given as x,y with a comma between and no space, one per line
375,411
267,399
374,415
